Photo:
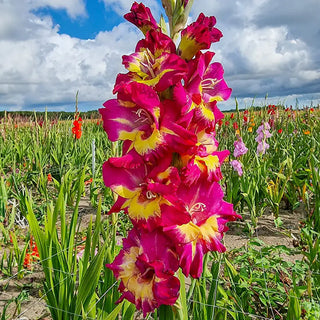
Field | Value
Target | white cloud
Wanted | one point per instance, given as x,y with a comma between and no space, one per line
121,7
74,8
260,54
38,65
266,47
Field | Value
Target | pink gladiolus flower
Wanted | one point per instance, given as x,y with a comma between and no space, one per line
141,17
202,232
145,122
142,191
166,180
199,35
204,86
237,166
240,148
207,167
157,68
156,43
207,142
146,266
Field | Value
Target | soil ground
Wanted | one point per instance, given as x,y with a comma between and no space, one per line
34,307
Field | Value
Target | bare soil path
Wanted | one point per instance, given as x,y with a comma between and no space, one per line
34,307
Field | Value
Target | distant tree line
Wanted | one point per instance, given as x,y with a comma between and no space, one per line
50,115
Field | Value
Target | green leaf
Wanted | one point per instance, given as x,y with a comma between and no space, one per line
280,176
129,310
183,310
163,25
91,276
113,315
294,309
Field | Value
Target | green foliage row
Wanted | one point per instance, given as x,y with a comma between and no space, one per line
237,285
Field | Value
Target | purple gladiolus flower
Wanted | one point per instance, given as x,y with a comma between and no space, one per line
263,135
237,166
239,148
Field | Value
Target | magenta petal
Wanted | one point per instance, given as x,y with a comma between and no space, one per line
117,206
113,116
165,182
186,258
115,177
167,291
196,266
175,69
141,17
140,94
191,173
145,267
157,42
122,81
174,215
198,36
130,160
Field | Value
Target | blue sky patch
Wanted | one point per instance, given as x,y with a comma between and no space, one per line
83,27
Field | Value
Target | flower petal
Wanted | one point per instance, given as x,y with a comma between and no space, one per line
145,267
208,214
141,17
197,36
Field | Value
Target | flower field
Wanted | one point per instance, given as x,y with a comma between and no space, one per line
56,237
159,206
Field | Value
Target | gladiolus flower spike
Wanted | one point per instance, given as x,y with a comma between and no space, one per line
167,179
76,129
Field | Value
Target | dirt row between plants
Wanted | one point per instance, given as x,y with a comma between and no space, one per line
34,306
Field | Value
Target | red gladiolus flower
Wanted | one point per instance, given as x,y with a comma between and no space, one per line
49,177
31,255
76,130
88,181
235,126
35,252
280,131
27,261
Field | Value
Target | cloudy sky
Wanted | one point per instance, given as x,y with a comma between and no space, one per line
50,49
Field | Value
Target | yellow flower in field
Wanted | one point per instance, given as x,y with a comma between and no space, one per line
306,131
271,187
250,129
227,159
237,131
